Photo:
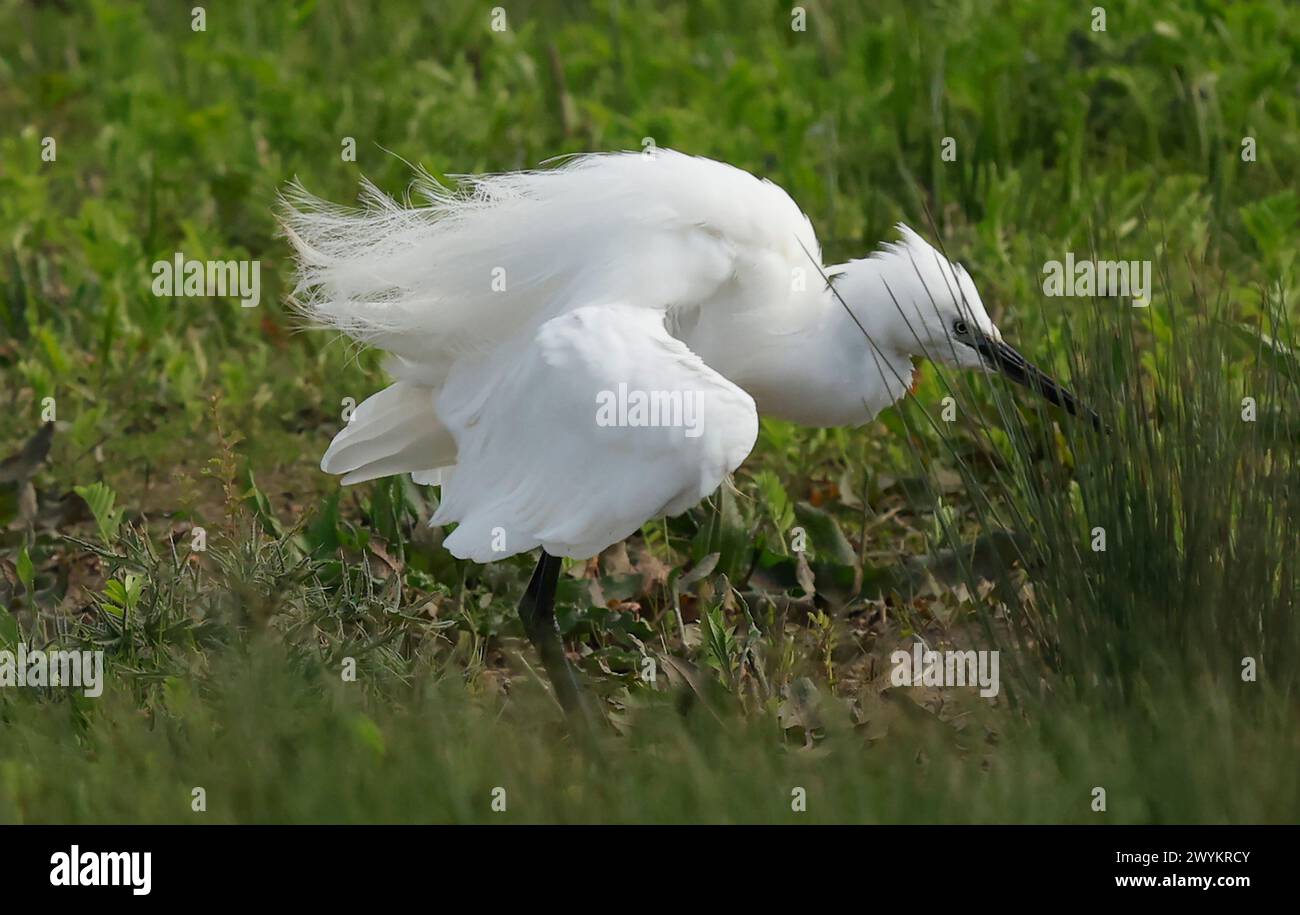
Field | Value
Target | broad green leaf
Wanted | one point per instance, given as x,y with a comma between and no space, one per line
100,498
825,538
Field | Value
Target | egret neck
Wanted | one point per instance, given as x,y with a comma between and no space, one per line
829,367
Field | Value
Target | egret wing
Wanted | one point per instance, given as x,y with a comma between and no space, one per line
573,435
394,431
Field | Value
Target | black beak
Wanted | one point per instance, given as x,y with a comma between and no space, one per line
1010,363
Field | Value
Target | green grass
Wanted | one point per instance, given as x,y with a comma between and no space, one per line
1121,669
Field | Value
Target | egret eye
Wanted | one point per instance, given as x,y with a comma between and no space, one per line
959,328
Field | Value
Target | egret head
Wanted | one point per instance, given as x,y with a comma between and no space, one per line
911,298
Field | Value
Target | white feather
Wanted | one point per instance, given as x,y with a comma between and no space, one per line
512,303
536,468
394,431
509,250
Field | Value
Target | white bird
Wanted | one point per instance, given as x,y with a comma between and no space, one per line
580,349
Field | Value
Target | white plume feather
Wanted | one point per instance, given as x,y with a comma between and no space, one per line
509,251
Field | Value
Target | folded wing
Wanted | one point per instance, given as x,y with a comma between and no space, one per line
394,431
573,435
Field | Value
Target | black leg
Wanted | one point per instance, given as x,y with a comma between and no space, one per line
537,613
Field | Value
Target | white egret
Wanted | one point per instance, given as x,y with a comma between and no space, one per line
578,350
